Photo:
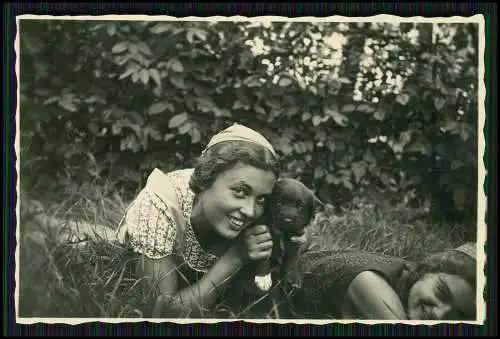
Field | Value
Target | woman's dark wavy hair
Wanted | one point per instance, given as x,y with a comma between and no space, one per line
224,155
449,262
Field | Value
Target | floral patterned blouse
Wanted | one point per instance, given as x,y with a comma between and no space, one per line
157,223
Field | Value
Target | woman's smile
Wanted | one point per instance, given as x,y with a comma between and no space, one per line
236,223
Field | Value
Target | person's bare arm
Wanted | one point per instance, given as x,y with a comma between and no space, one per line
195,297
255,244
369,296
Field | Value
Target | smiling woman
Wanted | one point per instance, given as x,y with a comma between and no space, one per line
365,285
196,228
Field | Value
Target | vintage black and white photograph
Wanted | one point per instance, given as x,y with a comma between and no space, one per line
260,168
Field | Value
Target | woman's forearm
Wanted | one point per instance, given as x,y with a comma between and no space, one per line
202,294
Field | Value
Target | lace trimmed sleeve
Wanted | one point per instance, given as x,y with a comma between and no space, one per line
157,223
149,226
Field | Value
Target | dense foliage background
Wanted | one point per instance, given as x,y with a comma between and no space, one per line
387,111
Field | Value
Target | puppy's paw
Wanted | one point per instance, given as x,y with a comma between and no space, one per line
264,283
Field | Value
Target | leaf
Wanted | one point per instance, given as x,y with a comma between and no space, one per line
316,120
176,65
200,33
344,80
161,28
259,109
195,134
359,170
238,104
151,131
51,100
306,116
285,81
225,113
133,49
127,73
292,111
456,164
348,108
93,127
452,127
157,91
331,179
158,107
169,136
339,119
190,36
135,77
111,29
155,75
190,103
318,172
205,103
185,127
403,98
120,47
331,145
117,127
177,120
439,103
284,146
464,131
178,82
136,117
419,145
144,76
67,105
363,108
252,81
300,147
379,115
144,48
347,183
129,142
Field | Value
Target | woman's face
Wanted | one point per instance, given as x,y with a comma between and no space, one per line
441,296
236,199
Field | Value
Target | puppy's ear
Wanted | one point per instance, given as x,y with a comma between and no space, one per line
317,203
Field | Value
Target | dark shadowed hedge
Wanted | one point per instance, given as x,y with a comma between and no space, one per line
352,108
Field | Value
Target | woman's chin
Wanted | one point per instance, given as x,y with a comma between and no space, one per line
229,234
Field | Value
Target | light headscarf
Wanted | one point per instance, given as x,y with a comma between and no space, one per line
467,248
239,132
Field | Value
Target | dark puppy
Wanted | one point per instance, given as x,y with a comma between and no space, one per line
290,209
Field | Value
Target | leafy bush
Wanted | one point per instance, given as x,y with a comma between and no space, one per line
353,109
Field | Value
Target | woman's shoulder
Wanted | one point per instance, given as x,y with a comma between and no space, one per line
178,177
328,274
172,187
344,265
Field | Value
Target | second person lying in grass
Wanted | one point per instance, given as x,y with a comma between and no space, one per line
357,284
196,228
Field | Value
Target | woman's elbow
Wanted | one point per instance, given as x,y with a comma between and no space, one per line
157,275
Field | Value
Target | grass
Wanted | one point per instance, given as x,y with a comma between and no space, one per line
94,278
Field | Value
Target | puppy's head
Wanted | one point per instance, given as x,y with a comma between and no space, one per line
292,206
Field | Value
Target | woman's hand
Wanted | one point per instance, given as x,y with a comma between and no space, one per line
255,243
